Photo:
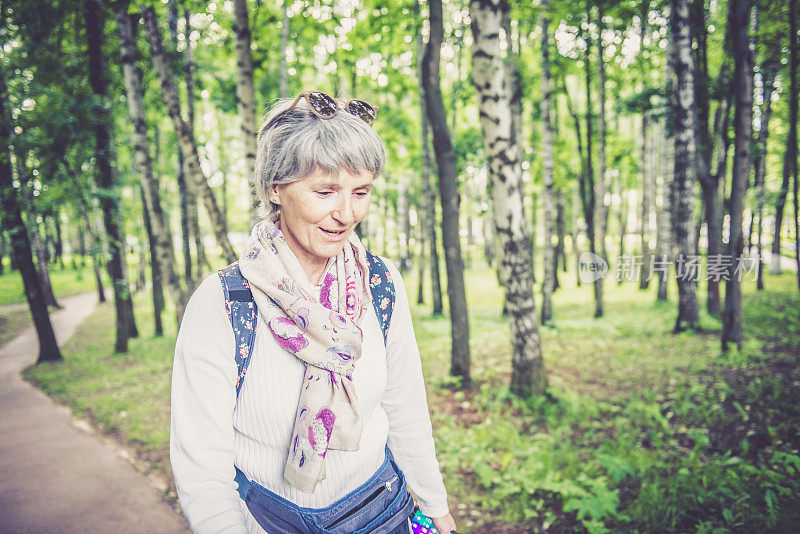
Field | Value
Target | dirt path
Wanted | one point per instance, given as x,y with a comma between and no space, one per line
56,478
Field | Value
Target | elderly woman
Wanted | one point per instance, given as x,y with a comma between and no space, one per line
331,425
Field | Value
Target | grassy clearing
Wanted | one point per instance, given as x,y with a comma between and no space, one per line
67,281
642,430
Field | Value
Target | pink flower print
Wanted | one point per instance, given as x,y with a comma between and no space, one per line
319,432
384,302
287,334
376,279
325,292
253,252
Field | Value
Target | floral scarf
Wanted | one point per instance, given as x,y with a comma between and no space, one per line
324,334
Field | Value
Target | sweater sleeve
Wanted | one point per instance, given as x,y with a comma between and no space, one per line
406,406
203,400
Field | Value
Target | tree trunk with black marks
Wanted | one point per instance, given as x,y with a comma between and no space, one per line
159,233
104,176
448,191
684,171
286,26
664,213
11,215
548,196
184,192
648,193
194,219
246,96
738,20
428,193
404,224
760,163
184,133
601,212
490,79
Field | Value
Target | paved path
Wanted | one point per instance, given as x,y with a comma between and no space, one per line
55,478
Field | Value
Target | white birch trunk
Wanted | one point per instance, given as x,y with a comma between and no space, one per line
489,76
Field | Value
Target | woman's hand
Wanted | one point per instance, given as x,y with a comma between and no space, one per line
445,524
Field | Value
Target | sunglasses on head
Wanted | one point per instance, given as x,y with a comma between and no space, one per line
324,106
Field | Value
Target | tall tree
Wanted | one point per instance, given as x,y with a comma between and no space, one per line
185,192
709,182
194,220
448,191
94,16
684,172
601,213
11,216
548,197
185,135
767,89
791,140
738,20
504,158
428,193
163,253
790,154
245,94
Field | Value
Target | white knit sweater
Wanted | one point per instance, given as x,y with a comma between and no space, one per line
211,431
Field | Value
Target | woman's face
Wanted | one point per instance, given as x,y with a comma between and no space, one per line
318,213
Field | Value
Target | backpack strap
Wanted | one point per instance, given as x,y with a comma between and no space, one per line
383,291
243,314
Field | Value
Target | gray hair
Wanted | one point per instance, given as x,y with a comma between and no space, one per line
294,144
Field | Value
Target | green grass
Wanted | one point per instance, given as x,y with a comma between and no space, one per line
642,430
67,281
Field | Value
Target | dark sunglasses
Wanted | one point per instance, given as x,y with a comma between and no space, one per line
324,106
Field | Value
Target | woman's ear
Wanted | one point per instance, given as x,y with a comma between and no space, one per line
273,195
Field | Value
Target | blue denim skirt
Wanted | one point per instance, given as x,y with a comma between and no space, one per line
381,505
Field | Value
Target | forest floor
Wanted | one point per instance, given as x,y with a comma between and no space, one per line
641,429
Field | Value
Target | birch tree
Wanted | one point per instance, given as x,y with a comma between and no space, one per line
600,213
548,199
684,174
184,133
245,94
164,255
504,158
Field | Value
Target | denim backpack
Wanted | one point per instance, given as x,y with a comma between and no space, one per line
243,312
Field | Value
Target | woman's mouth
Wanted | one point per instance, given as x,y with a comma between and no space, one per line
333,234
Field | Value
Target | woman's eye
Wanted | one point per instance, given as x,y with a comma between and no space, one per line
362,194
324,193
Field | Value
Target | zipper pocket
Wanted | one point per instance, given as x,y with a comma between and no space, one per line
372,496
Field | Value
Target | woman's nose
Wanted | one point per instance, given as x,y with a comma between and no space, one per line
344,211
